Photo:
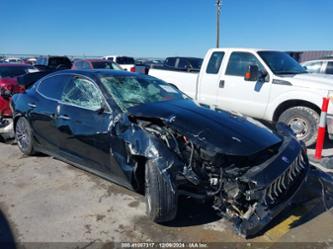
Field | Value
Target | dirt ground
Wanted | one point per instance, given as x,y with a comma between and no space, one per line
46,200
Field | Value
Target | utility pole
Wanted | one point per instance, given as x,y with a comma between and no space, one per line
218,13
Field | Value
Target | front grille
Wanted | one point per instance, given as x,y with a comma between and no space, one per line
286,184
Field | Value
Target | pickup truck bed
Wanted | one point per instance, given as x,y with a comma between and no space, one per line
185,81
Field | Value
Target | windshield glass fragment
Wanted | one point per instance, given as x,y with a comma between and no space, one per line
130,91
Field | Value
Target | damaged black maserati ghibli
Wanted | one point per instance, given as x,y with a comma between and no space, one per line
146,135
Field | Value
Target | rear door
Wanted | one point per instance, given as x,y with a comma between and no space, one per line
209,78
44,108
83,126
236,94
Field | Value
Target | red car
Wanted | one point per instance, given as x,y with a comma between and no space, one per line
8,87
95,64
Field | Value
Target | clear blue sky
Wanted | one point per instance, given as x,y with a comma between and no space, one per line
161,28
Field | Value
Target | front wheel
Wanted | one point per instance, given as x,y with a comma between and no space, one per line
304,123
23,135
161,200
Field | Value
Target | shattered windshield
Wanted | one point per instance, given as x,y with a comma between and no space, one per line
134,90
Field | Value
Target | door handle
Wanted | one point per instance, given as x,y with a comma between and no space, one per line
32,105
64,117
221,84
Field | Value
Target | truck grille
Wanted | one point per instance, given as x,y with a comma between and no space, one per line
284,185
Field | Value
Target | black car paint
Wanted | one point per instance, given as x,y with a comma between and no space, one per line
111,143
228,132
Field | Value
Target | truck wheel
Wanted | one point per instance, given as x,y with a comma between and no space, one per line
161,201
23,135
303,121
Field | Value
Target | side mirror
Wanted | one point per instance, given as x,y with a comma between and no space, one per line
252,74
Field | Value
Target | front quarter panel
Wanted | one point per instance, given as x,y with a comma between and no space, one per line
281,94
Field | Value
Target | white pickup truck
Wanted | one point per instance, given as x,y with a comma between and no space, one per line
265,84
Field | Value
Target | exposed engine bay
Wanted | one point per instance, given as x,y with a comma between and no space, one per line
248,190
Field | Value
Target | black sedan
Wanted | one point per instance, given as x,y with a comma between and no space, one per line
148,136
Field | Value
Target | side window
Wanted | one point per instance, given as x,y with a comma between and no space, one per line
83,93
53,86
215,62
170,62
329,69
239,63
183,64
314,67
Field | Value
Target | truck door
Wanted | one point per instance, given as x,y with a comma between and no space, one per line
236,94
209,79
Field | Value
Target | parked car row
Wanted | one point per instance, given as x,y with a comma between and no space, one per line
8,87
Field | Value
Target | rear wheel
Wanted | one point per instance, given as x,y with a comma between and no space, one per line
161,200
23,135
303,121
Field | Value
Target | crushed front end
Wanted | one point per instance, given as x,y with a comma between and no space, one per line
248,190
249,172
253,199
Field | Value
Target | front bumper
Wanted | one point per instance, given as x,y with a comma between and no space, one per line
277,185
329,122
7,129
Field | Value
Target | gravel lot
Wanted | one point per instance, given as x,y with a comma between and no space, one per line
45,200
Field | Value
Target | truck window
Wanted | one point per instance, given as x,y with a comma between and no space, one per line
239,63
214,63
183,64
329,69
170,62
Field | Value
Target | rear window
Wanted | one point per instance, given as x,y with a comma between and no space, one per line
14,71
54,62
105,65
125,60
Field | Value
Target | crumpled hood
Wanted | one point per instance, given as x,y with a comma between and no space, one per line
220,131
318,81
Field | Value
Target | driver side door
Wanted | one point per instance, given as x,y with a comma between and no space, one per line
236,94
84,125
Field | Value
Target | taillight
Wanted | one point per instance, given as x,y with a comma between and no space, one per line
132,69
